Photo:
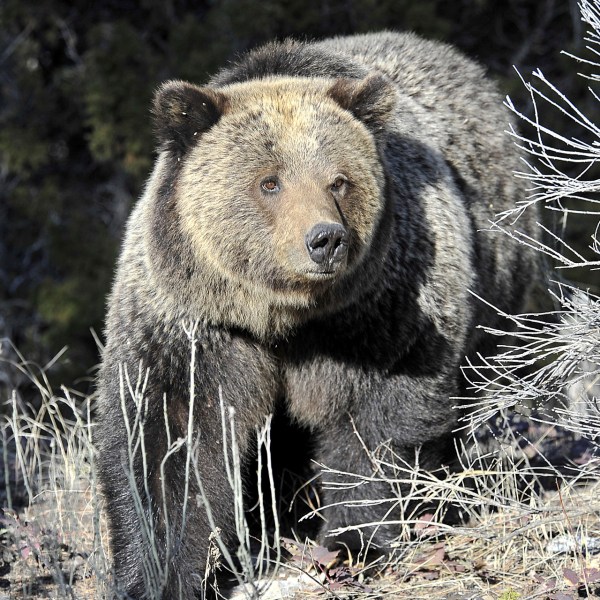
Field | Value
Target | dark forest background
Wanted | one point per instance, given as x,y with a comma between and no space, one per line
76,79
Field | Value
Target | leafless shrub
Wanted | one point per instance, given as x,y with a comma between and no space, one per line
554,359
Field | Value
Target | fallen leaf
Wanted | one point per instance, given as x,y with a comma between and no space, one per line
571,576
547,583
592,575
324,556
431,560
561,596
455,567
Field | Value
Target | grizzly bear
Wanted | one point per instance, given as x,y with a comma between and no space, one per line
317,215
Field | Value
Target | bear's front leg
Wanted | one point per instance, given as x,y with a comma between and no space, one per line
369,448
168,498
164,463
197,518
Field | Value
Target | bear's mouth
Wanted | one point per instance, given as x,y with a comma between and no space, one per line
322,274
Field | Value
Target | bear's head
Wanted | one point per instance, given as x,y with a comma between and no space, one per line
279,186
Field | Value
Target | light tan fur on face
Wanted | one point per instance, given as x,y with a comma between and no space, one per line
250,247
296,210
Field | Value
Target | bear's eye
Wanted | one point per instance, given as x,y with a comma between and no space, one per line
339,183
270,185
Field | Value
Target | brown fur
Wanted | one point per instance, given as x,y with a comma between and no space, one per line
369,343
240,283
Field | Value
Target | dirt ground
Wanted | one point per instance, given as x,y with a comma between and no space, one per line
538,543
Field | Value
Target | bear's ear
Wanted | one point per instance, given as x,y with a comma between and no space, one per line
371,100
182,111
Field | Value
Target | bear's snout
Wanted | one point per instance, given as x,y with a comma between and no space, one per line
327,245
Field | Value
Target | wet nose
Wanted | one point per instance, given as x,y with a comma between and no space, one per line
327,243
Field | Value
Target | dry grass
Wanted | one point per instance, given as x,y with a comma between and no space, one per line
512,542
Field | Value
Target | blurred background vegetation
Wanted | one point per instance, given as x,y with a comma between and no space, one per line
76,79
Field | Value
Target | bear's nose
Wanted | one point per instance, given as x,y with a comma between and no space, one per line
327,244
